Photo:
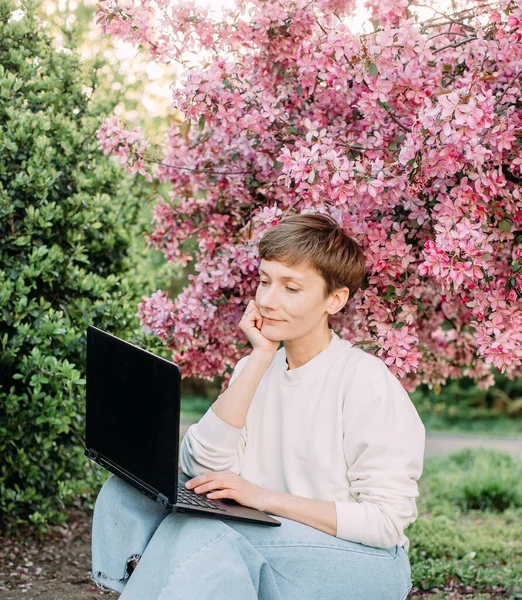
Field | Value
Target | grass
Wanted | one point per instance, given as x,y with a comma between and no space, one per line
194,407
497,427
469,530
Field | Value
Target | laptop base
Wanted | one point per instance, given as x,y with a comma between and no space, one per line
228,508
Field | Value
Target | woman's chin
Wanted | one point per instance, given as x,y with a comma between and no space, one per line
267,329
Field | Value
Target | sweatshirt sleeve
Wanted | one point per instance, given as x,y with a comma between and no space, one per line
213,445
384,440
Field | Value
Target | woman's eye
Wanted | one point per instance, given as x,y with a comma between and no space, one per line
289,289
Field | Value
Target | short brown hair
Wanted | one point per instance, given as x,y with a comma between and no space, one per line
316,240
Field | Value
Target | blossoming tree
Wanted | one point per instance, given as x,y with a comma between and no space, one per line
410,136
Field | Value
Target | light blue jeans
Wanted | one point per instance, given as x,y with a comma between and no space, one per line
189,556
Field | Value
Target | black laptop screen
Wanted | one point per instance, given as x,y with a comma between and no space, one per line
132,415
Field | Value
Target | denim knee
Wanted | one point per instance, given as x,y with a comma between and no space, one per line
124,521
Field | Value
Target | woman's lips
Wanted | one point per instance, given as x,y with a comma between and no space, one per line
270,320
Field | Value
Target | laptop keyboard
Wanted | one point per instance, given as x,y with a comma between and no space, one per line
190,497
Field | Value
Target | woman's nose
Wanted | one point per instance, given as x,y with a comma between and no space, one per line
267,298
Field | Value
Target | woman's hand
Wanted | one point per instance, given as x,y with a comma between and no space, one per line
229,485
251,324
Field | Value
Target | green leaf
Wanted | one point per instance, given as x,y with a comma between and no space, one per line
185,128
447,325
371,67
384,105
505,225
201,122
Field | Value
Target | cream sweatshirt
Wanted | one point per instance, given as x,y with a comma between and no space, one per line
341,427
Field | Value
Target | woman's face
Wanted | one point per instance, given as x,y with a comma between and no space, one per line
293,297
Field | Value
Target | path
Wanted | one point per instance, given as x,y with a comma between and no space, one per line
443,443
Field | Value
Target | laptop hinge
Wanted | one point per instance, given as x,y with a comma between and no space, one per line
121,472
163,500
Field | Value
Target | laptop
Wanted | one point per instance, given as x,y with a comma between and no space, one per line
132,427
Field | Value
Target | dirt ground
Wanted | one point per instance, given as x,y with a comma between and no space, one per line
58,568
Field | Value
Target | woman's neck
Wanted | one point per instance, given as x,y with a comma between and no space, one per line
300,351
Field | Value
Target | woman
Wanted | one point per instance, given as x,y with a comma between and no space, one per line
317,433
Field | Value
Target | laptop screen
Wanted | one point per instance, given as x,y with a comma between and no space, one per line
133,405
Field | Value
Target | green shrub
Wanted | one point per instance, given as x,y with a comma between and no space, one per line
489,489
461,400
473,479
69,230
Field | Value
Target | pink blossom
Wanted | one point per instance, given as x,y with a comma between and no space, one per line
406,135
128,145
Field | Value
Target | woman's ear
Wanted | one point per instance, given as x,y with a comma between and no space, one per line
339,299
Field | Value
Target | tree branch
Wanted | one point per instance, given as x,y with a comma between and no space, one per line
473,37
395,119
447,33
210,171
446,16
507,88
